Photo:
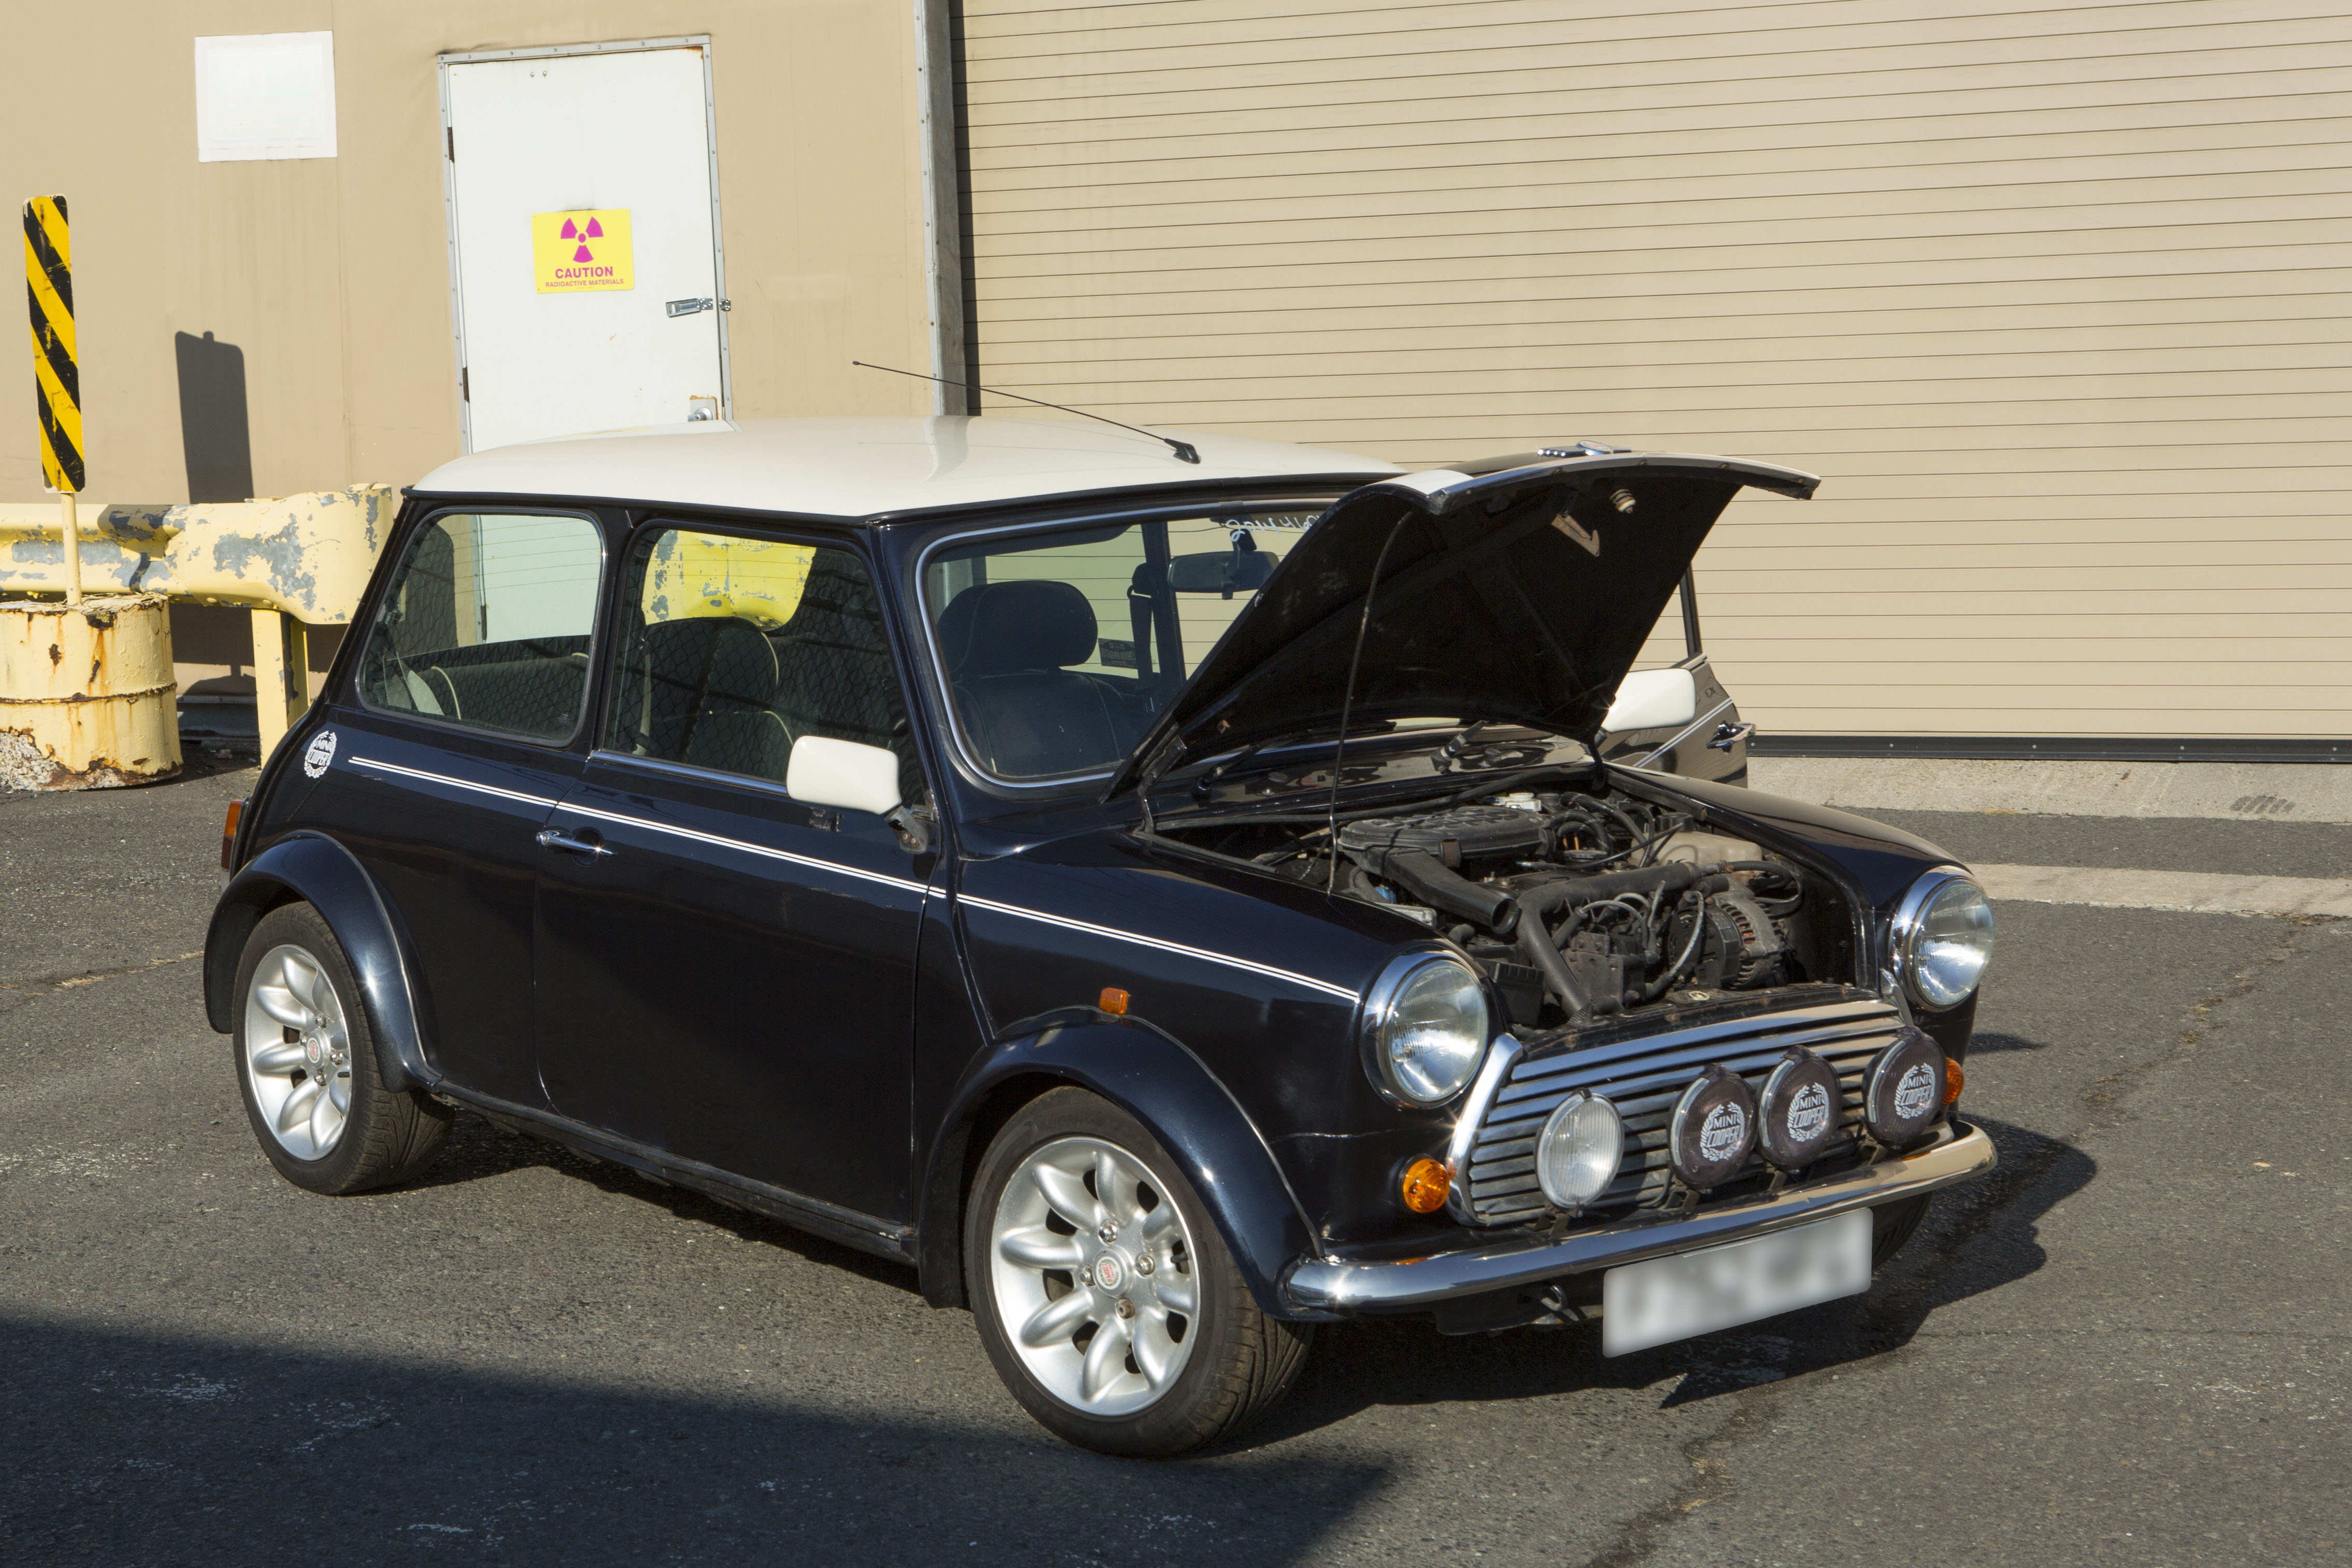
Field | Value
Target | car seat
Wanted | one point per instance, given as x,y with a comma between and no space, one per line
1007,648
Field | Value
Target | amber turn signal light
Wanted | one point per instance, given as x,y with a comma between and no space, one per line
1424,1185
1113,1000
229,833
1954,1080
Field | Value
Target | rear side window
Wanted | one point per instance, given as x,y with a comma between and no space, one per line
487,623
731,649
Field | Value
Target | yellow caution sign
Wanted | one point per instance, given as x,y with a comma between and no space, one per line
48,280
572,252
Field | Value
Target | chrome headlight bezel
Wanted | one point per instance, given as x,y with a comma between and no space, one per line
1379,1016
1910,924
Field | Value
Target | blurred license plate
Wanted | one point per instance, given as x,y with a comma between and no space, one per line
1687,1293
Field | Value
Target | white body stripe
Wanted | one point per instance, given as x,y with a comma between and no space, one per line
759,849
1226,960
1267,970
713,838
453,783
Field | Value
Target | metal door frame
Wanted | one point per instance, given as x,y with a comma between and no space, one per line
450,199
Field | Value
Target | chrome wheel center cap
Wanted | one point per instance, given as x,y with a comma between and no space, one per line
314,1050
1108,1273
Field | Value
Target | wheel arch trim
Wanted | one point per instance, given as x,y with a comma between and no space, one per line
1157,1079
312,868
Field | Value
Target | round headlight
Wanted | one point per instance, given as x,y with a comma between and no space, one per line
1943,939
1579,1150
1426,1029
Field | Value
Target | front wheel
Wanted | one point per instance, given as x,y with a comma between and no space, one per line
307,1066
1104,1294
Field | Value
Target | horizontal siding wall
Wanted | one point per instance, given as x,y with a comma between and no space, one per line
2055,298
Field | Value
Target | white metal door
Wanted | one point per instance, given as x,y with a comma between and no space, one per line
583,211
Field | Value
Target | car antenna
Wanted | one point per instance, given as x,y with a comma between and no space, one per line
1185,450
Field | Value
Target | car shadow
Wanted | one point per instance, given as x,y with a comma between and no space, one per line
480,1149
1975,1238
1990,1044
132,1447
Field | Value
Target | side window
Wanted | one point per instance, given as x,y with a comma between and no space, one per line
487,623
731,649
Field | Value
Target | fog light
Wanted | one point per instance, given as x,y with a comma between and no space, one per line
1579,1150
1714,1128
1424,1185
1797,1115
1905,1090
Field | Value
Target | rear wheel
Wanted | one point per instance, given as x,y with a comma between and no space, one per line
306,1066
1104,1294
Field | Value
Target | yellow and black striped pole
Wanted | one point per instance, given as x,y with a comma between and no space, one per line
48,285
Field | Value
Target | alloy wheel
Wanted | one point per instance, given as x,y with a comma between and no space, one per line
1093,1272
298,1052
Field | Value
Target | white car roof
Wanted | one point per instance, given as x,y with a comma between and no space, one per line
860,468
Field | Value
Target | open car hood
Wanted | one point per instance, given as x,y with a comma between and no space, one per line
1521,596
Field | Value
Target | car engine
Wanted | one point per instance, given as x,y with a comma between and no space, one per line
1582,904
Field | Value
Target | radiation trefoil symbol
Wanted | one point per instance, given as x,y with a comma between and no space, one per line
572,231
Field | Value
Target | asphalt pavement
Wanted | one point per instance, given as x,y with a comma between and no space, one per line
2128,1346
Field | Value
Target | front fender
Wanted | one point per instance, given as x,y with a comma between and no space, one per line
316,870
1158,1080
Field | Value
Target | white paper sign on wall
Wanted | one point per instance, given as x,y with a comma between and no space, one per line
265,95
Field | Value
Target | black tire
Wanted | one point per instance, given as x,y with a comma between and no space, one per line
386,1137
1893,1225
1239,1361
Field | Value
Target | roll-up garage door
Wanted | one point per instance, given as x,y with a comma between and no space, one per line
2057,297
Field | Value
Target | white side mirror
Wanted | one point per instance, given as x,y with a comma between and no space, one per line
1647,699
843,774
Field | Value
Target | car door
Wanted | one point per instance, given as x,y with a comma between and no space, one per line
1679,720
727,973
439,764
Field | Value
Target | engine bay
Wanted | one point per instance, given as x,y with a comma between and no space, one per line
1577,903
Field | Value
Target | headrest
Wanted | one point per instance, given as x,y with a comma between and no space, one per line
997,628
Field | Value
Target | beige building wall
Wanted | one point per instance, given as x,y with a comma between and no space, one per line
332,276
2057,297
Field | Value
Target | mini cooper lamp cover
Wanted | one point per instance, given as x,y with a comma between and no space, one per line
1797,1115
1714,1128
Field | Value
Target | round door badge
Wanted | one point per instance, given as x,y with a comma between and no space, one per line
321,753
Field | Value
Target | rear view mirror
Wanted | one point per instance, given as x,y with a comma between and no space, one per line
843,774
1220,572
1651,700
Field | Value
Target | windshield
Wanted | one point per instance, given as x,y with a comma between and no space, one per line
1061,646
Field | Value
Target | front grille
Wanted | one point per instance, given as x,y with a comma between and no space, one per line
1643,1075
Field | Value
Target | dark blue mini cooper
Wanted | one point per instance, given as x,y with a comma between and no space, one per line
1168,896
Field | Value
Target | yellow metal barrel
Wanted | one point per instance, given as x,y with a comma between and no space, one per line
87,699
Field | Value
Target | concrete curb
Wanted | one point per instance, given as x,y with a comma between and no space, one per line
2247,792
2202,892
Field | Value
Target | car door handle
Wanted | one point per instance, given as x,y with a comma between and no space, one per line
556,838
1730,736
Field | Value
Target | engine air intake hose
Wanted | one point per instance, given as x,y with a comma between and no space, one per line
1427,878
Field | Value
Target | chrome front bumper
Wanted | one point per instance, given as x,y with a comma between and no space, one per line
1344,1286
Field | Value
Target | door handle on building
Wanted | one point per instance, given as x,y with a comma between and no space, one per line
556,838
688,306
